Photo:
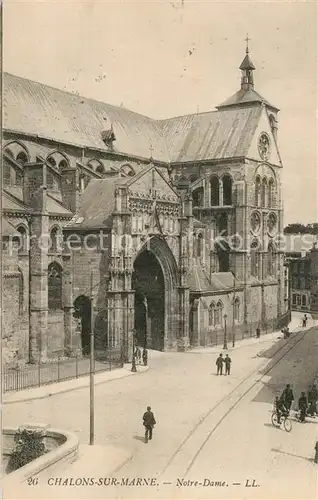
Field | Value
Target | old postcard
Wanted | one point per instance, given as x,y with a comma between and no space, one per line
159,258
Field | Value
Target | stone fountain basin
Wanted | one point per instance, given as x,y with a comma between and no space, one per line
62,445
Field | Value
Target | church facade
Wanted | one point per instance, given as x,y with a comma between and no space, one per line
166,228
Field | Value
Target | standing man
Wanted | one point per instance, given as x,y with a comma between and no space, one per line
149,422
227,362
288,397
219,363
302,405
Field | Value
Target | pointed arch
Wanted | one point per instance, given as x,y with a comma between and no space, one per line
257,191
55,273
219,314
255,258
227,183
211,313
14,148
271,186
270,259
264,192
215,191
198,197
127,170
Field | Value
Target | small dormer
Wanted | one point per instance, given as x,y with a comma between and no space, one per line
108,137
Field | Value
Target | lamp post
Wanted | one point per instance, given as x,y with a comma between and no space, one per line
225,333
233,318
91,369
133,361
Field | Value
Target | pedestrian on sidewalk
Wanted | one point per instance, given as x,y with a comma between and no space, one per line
148,422
316,452
138,355
227,362
219,363
305,319
302,406
288,397
312,401
145,357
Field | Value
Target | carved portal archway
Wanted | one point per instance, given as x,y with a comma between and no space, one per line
155,281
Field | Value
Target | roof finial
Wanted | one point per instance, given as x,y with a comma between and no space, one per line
247,39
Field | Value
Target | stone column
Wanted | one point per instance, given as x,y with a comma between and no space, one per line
220,193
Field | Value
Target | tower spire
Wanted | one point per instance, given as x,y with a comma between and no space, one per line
247,68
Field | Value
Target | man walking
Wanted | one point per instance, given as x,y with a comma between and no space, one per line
227,362
149,422
219,363
288,397
302,406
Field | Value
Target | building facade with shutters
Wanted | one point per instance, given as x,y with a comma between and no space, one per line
168,227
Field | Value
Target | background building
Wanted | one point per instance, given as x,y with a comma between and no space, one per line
173,223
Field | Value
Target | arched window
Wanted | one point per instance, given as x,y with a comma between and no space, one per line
270,260
100,169
63,165
270,193
215,191
6,174
198,197
257,191
21,293
54,286
127,170
22,158
237,309
303,300
227,190
200,245
55,240
211,314
255,259
22,239
223,255
51,161
263,193
218,314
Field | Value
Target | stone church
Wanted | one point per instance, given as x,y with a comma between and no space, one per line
166,228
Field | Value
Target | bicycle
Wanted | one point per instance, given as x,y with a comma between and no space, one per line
284,420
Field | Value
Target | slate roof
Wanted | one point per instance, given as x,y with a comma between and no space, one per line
97,204
243,97
199,281
47,112
8,229
13,204
213,135
55,207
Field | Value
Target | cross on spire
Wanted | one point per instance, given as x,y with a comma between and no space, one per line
247,39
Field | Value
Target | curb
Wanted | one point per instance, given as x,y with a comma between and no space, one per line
48,394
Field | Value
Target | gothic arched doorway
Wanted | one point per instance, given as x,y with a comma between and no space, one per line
82,305
149,286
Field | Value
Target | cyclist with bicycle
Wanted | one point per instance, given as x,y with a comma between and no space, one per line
281,410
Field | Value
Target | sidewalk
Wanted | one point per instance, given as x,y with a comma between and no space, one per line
294,327
70,385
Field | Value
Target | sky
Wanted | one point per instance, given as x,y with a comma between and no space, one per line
168,58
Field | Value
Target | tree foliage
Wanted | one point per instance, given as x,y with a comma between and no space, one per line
299,228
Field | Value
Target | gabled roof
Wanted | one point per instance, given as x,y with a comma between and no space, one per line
97,204
199,281
245,96
214,135
34,108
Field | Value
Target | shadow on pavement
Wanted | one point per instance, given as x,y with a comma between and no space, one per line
139,438
293,455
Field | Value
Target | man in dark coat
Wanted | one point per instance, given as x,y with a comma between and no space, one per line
149,422
312,400
219,363
302,405
227,362
288,397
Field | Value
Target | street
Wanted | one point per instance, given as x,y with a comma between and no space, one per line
213,437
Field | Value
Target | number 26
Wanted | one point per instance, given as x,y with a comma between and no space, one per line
33,481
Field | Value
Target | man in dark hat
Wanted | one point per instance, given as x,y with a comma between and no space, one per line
149,422
219,363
